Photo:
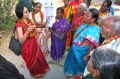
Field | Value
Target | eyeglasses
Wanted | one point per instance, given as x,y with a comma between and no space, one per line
26,11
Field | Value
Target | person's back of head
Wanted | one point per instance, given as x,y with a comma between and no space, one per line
107,62
95,14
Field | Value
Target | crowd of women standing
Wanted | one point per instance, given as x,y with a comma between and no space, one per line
74,28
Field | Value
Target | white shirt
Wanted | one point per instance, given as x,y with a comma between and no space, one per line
114,45
49,8
52,21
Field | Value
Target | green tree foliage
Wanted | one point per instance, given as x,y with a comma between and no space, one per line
7,17
117,0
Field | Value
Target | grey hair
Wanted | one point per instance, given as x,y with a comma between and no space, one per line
107,62
116,24
84,6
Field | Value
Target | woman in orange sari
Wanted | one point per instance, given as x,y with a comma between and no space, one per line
31,52
68,13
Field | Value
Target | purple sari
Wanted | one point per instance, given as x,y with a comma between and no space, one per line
60,29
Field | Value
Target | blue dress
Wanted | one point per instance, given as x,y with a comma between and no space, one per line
74,62
112,10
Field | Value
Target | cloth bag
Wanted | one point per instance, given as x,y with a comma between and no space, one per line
14,45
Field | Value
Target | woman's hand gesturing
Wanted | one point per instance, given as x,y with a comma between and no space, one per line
30,29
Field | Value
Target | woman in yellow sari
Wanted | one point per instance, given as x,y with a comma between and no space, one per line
68,13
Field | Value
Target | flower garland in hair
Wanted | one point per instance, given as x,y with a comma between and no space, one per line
25,26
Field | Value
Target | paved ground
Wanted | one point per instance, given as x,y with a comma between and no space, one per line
56,69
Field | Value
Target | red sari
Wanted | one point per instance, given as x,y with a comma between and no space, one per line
31,53
75,4
78,19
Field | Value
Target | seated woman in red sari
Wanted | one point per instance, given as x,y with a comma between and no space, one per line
59,27
31,52
78,17
68,13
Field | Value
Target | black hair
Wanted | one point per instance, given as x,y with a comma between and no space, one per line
61,9
95,13
107,62
19,11
37,3
109,3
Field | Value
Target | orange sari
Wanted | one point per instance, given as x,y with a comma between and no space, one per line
67,12
31,52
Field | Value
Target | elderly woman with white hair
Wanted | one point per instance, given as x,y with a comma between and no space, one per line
85,39
78,18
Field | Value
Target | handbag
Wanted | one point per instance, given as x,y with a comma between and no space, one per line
14,45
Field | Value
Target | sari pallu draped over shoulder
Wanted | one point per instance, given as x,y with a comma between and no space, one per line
68,13
59,28
74,63
32,55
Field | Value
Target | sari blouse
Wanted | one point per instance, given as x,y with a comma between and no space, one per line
91,33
